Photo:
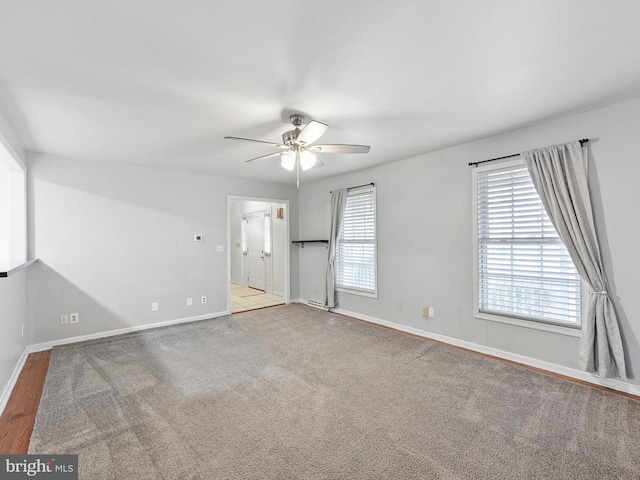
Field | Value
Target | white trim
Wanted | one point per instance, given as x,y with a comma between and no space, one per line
8,389
533,324
514,357
355,291
39,347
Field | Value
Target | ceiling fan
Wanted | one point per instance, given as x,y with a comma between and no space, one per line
297,149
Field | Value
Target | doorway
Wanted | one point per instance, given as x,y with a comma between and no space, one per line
258,253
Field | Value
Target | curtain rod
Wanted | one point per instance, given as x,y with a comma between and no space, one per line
359,186
582,142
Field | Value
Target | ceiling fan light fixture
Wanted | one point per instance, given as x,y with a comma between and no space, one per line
307,160
288,160
299,146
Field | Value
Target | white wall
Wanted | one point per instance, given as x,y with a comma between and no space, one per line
235,234
279,239
425,234
112,239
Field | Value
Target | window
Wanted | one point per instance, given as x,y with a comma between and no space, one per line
356,249
267,234
13,212
245,233
523,268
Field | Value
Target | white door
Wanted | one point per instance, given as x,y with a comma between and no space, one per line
255,244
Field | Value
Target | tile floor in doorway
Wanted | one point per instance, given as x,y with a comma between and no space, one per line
242,299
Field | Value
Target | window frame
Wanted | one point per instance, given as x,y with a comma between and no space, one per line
532,323
14,243
354,290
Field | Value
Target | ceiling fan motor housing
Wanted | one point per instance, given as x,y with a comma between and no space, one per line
289,138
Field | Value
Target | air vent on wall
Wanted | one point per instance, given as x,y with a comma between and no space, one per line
317,304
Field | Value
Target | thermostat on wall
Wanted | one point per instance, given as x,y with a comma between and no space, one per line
198,238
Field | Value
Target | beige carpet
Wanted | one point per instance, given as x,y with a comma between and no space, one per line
242,291
296,393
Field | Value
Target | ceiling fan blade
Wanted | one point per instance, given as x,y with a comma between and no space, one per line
340,148
319,163
312,132
277,154
277,145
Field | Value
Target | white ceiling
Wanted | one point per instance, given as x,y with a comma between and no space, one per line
160,82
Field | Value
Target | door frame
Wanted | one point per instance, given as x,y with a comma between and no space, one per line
287,244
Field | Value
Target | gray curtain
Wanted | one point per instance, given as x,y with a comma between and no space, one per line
338,202
560,177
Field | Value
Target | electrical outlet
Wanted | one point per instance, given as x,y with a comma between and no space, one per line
220,248
154,307
425,312
198,238
189,301
64,319
203,299
432,312
74,318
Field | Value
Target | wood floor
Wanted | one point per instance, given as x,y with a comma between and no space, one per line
19,415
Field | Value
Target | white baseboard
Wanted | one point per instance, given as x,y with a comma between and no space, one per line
514,357
39,347
6,393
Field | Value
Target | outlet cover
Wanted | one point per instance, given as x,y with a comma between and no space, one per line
204,299
154,307
74,318
64,319
189,301
425,312
220,248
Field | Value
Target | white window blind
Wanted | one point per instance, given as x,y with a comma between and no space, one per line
356,252
524,269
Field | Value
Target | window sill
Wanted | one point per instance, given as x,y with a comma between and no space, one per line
362,293
9,267
545,327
